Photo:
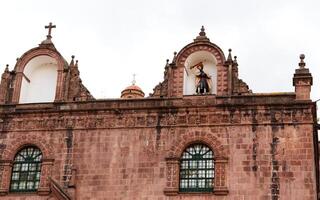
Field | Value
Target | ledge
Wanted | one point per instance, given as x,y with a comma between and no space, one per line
171,191
220,191
43,191
3,192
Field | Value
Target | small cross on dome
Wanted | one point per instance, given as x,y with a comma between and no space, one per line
134,79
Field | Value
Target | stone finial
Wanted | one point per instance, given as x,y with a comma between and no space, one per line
202,31
174,57
235,60
76,65
167,63
72,61
6,70
302,81
302,64
202,35
229,56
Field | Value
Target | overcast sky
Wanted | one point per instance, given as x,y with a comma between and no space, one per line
114,39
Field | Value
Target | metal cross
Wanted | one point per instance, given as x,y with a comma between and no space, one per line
134,79
50,26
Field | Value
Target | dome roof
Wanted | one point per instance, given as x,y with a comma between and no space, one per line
132,92
133,87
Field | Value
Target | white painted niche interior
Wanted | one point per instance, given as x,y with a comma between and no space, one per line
39,80
210,68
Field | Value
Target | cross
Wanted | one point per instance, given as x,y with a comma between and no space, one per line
134,79
50,26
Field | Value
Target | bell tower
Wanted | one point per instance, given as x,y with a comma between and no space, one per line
43,75
201,68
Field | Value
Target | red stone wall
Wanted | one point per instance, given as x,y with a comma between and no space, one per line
130,149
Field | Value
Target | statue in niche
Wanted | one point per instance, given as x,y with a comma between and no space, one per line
202,80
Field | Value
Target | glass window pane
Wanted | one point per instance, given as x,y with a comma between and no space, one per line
22,185
15,176
26,170
16,167
24,167
32,166
196,169
30,185
14,186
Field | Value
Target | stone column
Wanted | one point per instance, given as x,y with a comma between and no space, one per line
4,85
59,87
5,167
172,187
220,181
17,87
46,168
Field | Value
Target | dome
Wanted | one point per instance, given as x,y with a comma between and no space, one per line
132,92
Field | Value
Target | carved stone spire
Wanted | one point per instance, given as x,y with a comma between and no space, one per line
4,85
229,59
72,61
174,57
6,70
235,62
76,65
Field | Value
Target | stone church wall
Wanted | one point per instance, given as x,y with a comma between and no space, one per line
130,149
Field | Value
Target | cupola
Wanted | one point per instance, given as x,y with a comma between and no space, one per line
132,92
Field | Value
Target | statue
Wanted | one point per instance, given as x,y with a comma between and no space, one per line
202,80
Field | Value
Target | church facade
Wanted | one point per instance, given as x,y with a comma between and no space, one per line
202,134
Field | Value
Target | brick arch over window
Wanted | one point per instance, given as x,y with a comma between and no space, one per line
19,143
26,57
178,72
179,145
9,154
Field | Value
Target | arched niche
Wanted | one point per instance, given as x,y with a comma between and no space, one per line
209,67
39,80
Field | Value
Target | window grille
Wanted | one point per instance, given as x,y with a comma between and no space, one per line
26,170
197,169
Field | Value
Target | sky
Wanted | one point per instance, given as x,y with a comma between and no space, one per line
114,39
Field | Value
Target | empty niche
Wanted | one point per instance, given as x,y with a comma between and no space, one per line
39,80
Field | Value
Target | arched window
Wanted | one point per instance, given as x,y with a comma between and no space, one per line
197,169
26,170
